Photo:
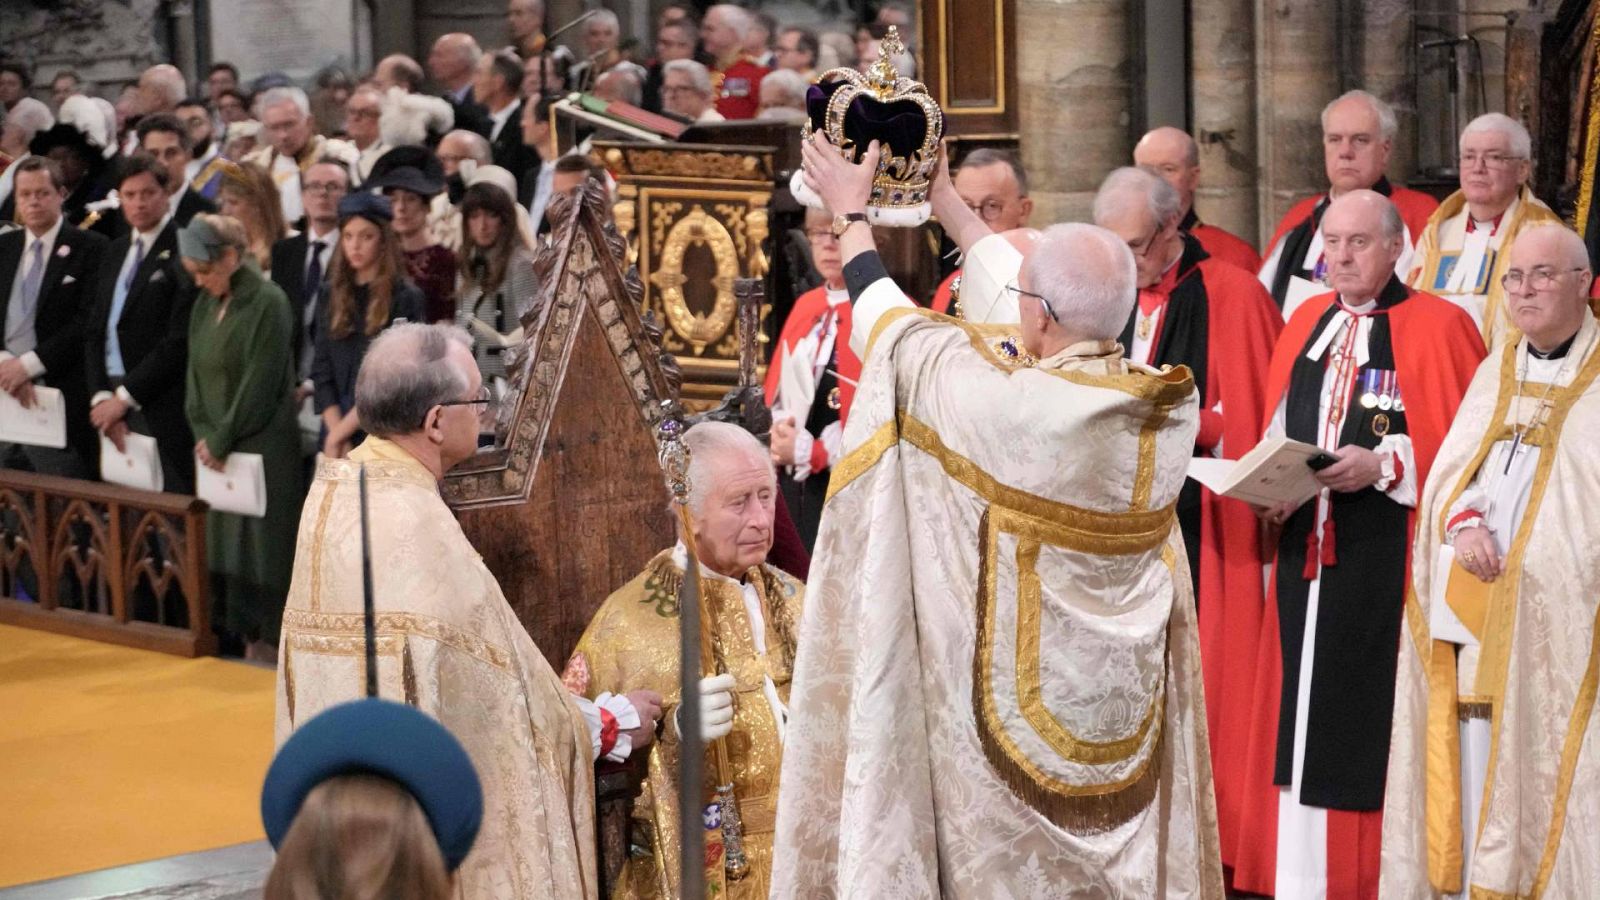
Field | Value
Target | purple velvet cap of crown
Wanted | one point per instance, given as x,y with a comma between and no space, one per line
898,125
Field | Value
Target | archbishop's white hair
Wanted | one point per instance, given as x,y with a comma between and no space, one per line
1387,123
710,445
1521,143
1087,276
1134,184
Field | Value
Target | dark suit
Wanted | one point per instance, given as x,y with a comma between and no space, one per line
153,332
113,225
65,294
509,152
470,114
289,273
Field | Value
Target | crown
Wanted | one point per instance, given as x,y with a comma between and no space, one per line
854,109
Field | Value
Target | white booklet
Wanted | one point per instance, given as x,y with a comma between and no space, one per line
240,488
139,466
45,425
1274,472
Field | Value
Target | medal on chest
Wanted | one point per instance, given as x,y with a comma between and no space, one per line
1146,327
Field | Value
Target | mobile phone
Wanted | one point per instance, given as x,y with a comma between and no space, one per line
1321,461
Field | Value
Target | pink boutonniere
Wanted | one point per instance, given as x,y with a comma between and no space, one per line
63,251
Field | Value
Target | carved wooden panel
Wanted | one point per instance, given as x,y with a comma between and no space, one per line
570,504
968,62
696,219
104,562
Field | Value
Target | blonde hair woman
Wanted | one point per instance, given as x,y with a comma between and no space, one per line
248,196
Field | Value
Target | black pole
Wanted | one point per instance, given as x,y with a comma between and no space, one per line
366,593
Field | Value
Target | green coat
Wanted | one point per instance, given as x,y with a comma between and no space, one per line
240,399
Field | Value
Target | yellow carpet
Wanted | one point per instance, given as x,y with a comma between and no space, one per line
110,756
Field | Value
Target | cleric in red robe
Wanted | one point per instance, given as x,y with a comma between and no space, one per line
1172,154
994,185
1371,373
1214,317
1357,135
811,381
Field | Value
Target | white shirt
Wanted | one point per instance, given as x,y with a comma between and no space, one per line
30,359
193,167
499,119
543,183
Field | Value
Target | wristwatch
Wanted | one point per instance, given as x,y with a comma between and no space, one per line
842,222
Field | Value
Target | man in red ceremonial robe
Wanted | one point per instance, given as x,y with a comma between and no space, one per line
1214,317
994,185
811,381
1173,154
735,78
1372,373
1357,135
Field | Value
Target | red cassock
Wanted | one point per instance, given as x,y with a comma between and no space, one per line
1220,244
1219,321
1436,351
941,294
808,310
738,88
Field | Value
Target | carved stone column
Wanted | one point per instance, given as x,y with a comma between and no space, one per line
1296,75
1222,73
1073,64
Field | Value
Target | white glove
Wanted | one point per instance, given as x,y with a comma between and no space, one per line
488,335
716,707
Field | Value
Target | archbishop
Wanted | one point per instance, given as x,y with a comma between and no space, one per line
934,748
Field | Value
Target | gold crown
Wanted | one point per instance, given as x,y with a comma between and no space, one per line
855,108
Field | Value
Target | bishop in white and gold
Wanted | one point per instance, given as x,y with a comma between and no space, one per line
934,747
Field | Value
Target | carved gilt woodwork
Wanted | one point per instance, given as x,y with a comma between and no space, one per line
696,219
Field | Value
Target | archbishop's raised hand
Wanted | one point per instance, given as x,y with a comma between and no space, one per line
844,186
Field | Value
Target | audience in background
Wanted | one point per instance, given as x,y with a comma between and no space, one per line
411,177
367,291
498,286
248,195
686,91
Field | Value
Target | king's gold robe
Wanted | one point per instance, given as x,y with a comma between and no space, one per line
1534,670
998,687
450,645
632,644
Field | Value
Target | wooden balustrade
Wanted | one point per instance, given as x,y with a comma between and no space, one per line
104,562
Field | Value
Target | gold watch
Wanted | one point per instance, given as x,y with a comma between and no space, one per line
842,222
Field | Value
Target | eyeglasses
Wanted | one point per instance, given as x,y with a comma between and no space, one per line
821,234
988,210
484,398
1539,278
323,187
1489,160
1013,288
362,113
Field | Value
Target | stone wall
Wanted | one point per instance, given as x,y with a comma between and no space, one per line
108,42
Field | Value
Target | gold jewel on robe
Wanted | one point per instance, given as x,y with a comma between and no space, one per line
632,644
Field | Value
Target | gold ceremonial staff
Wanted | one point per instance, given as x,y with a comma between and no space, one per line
697,657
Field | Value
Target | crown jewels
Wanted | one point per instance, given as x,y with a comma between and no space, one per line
855,109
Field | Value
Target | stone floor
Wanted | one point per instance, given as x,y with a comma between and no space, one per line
229,873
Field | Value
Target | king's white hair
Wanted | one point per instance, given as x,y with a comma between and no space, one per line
710,445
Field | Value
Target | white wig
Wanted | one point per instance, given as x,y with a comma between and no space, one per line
1521,143
1387,123
710,443
1087,276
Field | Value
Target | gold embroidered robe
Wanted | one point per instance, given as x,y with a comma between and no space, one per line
450,645
998,688
632,644
1445,227
1537,667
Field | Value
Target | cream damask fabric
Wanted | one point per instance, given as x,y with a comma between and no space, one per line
448,644
997,690
1537,668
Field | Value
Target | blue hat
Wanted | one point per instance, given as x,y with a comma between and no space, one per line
374,207
379,737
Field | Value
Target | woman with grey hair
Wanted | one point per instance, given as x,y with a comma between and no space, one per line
239,399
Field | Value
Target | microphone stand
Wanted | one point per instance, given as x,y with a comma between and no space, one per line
544,51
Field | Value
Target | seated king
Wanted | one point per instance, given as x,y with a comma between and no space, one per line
754,609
